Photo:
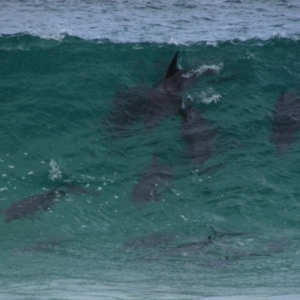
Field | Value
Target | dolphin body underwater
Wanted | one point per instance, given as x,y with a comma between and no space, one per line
286,121
198,135
128,109
151,105
149,186
165,99
29,206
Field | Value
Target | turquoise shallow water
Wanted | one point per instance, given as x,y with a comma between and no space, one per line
55,96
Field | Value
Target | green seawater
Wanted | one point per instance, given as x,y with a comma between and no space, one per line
54,96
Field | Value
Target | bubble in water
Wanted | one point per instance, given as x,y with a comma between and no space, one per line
55,172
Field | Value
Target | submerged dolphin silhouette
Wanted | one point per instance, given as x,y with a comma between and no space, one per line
151,105
195,246
150,184
29,206
73,188
165,99
198,135
155,240
128,108
286,121
176,80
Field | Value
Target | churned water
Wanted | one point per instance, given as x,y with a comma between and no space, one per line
227,227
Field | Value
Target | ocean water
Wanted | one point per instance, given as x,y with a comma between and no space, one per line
225,229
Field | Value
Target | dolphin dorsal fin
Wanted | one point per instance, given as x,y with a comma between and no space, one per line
173,66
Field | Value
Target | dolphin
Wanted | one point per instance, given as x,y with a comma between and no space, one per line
128,109
166,98
155,240
29,206
286,121
151,104
73,188
176,80
198,135
164,250
195,246
149,186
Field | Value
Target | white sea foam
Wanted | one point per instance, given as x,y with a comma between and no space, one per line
210,96
216,69
55,172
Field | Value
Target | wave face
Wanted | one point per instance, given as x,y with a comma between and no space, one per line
56,97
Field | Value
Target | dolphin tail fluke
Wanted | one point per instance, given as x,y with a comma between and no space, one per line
173,66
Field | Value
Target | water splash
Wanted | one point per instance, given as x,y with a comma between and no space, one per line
55,172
